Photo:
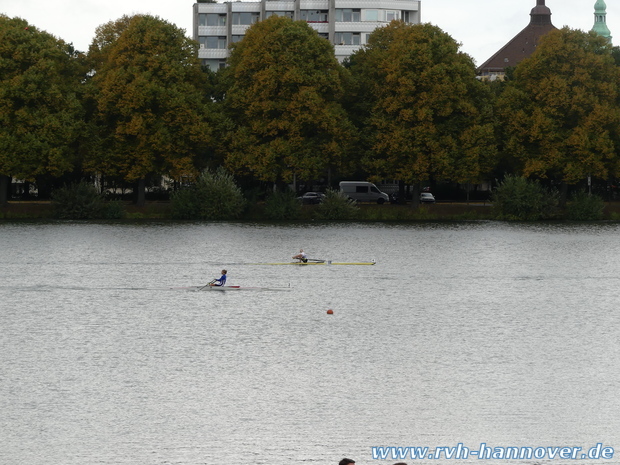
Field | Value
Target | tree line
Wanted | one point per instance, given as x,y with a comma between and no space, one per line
407,107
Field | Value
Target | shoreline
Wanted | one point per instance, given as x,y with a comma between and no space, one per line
159,210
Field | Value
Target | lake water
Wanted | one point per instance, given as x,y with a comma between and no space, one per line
495,333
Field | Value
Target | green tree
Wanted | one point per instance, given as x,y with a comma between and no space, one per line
283,100
559,114
615,53
150,101
40,110
424,113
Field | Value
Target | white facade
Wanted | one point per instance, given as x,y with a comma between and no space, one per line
345,23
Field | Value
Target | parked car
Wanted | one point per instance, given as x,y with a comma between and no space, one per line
427,197
311,198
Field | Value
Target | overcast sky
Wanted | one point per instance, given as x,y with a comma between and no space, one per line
481,26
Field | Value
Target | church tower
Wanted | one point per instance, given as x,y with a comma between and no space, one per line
600,20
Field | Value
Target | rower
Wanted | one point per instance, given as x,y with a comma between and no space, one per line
301,256
221,281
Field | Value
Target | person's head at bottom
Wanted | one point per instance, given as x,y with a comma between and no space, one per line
346,461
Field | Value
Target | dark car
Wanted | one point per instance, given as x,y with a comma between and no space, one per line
311,198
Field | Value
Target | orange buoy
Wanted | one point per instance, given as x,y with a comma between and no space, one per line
330,312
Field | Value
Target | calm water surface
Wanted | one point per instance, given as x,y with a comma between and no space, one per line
467,333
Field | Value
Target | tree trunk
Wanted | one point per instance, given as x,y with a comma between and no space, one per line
44,187
415,197
140,195
563,194
5,187
402,194
26,193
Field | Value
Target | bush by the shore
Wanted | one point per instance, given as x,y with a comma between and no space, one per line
584,207
214,196
520,199
82,201
282,206
337,206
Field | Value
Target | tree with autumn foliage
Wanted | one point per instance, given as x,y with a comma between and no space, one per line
40,109
424,114
284,87
150,103
560,114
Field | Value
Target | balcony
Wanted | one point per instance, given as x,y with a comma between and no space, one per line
212,53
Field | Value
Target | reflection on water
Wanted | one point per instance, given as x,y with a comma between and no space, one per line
478,332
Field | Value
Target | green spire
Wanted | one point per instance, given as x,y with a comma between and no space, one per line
600,20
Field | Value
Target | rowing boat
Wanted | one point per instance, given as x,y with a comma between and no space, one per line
231,288
238,288
325,262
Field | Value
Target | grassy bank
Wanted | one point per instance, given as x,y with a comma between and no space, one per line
160,210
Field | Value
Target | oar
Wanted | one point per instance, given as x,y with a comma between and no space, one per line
206,285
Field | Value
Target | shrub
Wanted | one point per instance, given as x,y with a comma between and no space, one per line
584,207
519,199
337,206
214,196
113,210
80,201
282,206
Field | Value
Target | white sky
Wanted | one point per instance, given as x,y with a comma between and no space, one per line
481,26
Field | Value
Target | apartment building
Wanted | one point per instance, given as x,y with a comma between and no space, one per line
345,23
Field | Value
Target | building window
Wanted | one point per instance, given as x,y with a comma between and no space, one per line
371,15
286,14
391,15
214,65
245,18
213,42
348,15
324,35
214,19
407,17
314,16
211,19
235,39
347,38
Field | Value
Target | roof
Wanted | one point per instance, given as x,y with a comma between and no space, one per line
523,44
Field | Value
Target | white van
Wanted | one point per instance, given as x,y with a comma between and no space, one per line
363,191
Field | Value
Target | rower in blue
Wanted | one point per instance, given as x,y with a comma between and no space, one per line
221,281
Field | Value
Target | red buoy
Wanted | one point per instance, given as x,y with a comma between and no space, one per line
330,312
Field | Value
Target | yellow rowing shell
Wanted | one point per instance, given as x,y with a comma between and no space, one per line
327,262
